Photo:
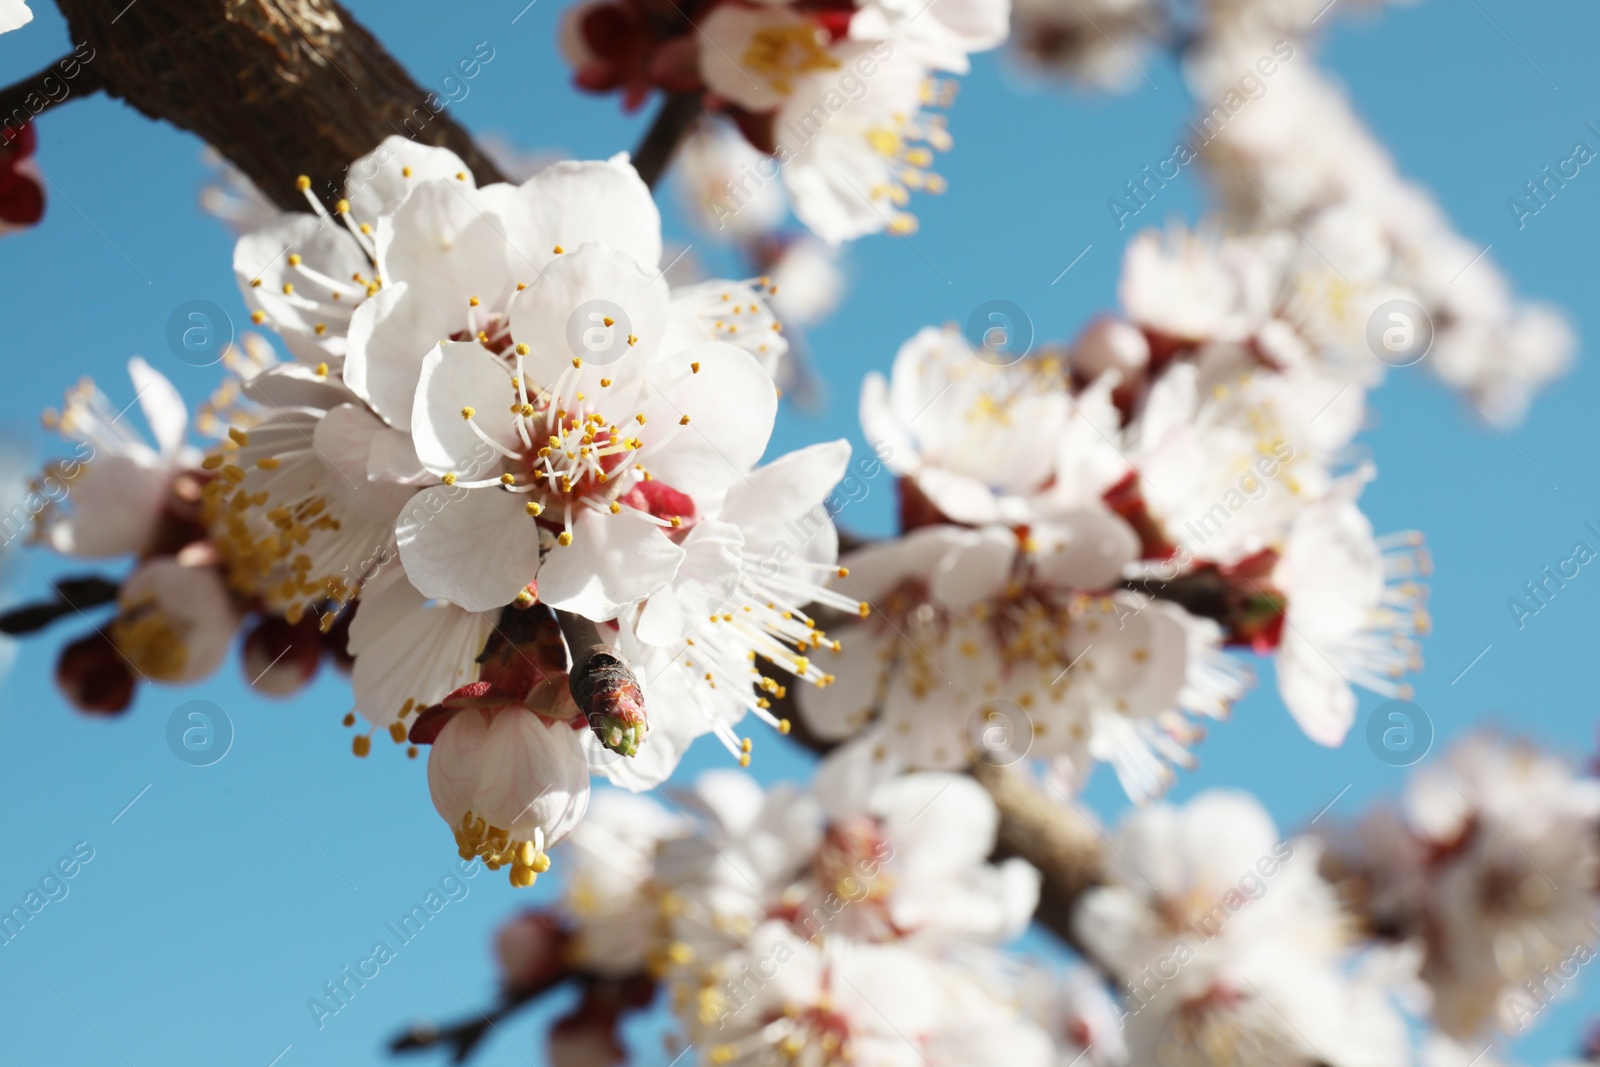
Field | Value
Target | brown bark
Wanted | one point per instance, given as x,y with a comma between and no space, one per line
279,87
1049,833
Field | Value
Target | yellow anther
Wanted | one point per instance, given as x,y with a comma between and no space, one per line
565,539
534,509
522,349
258,317
238,436
397,731
405,172
684,421
508,479
269,463
695,367
468,411
361,744
342,207
676,522
449,478
557,250
302,183
288,289
473,301
294,259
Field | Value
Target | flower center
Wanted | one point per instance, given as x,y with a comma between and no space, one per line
780,53
152,640
475,838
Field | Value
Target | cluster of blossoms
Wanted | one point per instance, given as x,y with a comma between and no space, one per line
499,424
581,577
1089,527
1289,157
1107,44
1472,910
118,495
1300,155
838,97
856,922
1491,868
1230,948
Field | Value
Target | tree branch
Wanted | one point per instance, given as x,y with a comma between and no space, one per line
279,87
15,98
462,1039
674,120
1055,837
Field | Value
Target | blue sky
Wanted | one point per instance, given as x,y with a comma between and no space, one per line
224,897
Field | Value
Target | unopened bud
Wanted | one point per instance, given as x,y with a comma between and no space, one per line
281,657
609,697
95,677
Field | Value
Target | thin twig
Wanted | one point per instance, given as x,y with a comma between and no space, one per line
677,116
14,98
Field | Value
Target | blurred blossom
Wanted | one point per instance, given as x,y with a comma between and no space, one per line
233,198
807,282
1230,948
21,183
727,187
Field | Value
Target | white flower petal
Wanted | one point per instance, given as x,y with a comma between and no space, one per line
343,440
456,376
707,578
379,180
574,203
784,490
163,408
730,404
561,317
409,652
474,547
613,561
390,335
977,569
